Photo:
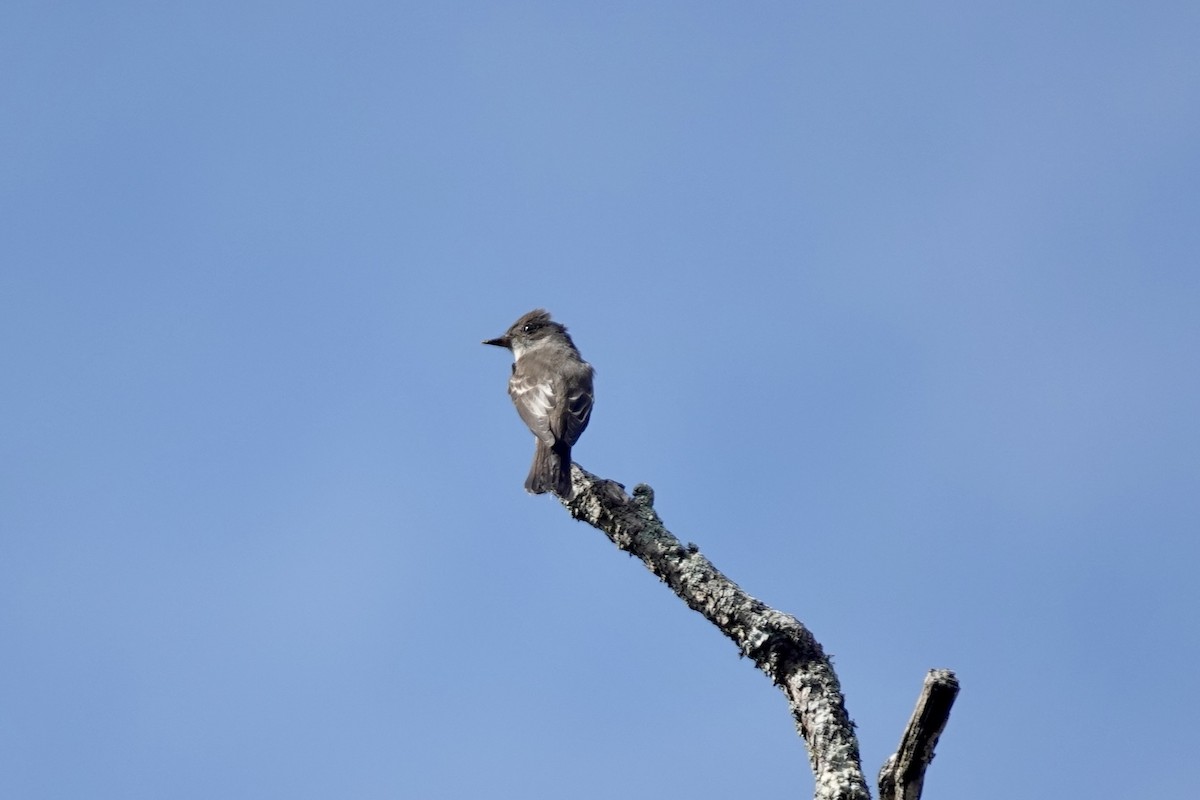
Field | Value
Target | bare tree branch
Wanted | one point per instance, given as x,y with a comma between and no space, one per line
778,643
903,776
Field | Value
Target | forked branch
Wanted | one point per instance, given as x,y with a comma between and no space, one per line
776,642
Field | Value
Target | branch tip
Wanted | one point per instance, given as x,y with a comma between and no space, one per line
902,776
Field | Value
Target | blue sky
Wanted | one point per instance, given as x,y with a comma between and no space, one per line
896,307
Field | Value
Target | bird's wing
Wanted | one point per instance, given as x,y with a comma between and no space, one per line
535,402
575,415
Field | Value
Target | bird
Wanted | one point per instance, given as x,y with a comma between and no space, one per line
551,386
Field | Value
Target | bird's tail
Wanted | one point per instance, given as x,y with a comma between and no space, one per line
551,470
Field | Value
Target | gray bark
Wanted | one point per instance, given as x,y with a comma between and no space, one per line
903,776
776,642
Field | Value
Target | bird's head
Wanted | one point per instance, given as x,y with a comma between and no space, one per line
530,331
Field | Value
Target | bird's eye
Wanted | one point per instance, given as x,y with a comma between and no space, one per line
528,327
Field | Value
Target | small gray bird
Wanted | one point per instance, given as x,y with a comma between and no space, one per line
551,386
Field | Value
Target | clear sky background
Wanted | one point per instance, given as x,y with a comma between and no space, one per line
896,306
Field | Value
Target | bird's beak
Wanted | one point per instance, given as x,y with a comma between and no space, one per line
499,341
